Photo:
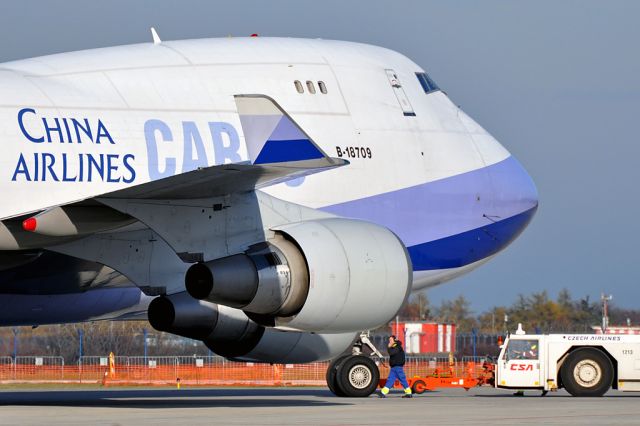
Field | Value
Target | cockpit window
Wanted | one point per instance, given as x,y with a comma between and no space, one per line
428,85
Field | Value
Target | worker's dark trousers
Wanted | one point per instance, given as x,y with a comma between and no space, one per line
397,373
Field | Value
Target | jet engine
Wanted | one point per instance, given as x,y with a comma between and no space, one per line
231,333
329,275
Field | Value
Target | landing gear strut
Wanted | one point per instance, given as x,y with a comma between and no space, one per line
355,375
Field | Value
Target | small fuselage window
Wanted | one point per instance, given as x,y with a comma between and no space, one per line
428,85
323,87
299,87
311,87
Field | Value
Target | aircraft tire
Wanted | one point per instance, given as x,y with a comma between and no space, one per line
357,376
587,372
332,380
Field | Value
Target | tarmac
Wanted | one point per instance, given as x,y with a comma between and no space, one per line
308,406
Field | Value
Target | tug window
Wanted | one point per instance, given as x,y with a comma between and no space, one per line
522,349
428,85
299,87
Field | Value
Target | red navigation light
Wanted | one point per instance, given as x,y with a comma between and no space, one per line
254,35
30,224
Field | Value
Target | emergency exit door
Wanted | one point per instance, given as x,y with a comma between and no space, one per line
403,100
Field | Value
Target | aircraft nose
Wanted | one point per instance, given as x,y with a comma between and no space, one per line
515,198
516,185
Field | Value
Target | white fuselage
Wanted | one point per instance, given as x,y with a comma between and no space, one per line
77,125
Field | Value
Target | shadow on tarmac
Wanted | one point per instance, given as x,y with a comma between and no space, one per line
533,394
170,398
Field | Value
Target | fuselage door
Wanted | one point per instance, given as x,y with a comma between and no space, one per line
403,100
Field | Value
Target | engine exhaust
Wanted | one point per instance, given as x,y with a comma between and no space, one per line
269,279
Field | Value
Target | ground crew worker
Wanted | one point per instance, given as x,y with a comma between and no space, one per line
531,352
396,362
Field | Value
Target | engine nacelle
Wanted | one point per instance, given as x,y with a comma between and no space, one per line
329,275
360,275
294,347
230,333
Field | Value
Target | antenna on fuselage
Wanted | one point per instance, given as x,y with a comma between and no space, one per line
155,36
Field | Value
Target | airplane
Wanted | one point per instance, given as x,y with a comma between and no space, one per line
271,197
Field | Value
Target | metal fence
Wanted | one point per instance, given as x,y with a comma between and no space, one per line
477,344
38,368
7,372
203,370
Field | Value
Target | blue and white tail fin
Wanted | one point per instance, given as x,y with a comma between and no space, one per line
272,137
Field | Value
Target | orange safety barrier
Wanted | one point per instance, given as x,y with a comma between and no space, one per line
201,371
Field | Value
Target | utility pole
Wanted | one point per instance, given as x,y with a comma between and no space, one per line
474,337
605,311
144,336
15,344
80,338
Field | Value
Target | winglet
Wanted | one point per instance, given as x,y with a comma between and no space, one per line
155,36
271,135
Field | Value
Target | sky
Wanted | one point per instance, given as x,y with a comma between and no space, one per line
556,82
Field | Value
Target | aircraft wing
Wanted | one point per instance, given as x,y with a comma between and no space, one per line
224,179
279,150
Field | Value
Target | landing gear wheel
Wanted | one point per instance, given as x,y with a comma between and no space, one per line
418,387
587,372
332,381
357,376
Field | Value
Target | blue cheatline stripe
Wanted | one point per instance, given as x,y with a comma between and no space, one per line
471,246
438,209
288,150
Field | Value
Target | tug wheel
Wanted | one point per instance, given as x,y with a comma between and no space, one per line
418,387
587,372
